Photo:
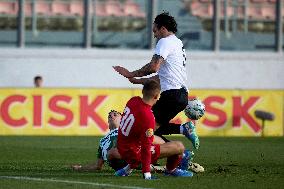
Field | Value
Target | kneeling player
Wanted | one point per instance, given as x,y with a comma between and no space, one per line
135,137
107,151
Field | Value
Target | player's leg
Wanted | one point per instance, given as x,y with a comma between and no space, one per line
114,159
188,130
158,140
133,159
167,107
185,163
171,148
173,151
171,102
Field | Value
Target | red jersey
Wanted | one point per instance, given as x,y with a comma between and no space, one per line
135,134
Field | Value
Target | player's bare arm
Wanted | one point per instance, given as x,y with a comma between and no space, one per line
149,68
98,165
123,71
143,80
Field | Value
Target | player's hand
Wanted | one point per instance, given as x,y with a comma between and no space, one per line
123,71
148,176
151,178
76,167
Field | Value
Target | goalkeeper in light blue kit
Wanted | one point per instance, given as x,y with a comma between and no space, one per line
107,151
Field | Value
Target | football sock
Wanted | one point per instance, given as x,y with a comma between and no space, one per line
181,129
173,162
127,169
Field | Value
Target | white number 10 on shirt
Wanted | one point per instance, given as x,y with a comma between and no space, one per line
126,122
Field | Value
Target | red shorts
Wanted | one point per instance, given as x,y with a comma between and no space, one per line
134,157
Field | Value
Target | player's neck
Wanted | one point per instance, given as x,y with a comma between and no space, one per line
167,34
149,102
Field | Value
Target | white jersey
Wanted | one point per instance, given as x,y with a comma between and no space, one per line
172,73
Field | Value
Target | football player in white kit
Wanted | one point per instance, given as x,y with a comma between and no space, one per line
169,62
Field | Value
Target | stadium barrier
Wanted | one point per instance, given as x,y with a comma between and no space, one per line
84,111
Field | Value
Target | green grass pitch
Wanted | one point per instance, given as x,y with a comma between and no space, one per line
43,162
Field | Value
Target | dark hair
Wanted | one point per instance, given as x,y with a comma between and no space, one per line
114,112
38,77
166,20
151,88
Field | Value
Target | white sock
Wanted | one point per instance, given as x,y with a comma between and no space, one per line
181,129
127,169
170,171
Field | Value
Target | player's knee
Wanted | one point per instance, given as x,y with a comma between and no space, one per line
180,147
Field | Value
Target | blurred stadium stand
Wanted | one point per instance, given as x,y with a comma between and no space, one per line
245,24
255,9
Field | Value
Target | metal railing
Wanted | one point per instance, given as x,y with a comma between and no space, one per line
152,11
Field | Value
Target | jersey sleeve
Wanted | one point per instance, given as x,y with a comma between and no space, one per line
147,138
162,48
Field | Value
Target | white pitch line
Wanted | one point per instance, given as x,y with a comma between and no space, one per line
70,182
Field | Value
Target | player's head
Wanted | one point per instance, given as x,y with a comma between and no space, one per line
163,24
151,91
114,118
38,81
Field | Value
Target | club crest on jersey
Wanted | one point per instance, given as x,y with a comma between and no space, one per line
149,132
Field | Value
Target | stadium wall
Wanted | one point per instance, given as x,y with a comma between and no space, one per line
81,87
93,68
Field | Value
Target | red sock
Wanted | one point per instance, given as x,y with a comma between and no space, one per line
173,162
